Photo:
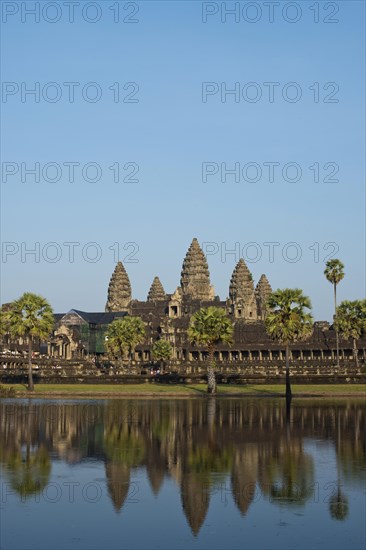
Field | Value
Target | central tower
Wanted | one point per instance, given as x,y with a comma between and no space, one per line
195,276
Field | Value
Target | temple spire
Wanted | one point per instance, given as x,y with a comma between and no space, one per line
119,290
241,292
156,292
195,276
262,292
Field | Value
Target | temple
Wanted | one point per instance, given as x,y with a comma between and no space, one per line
166,315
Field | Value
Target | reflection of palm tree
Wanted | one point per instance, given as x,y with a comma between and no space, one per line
29,476
207,466
206,459
124,447
351,460
338,505
288,477
210,457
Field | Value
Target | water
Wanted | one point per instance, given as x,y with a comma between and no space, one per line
199,473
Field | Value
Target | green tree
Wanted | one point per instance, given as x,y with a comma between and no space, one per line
162,351
209,327
288,322
3,328
334,273
31,317
123,335
115,344
351,322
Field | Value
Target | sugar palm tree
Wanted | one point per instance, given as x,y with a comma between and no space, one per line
123,335
288,322
162,351
115,344
208,327
30,316
334,273
351,322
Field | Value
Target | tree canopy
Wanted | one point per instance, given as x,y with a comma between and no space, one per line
287,320
334,271
123,335
210,326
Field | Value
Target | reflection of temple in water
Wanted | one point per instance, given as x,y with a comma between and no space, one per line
243,446
118,482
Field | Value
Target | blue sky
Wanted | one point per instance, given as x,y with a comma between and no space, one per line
169,133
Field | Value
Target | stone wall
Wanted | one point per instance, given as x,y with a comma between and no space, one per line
14,371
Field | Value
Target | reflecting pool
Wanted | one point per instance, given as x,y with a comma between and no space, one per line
200,473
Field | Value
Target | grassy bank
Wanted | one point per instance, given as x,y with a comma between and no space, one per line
180,390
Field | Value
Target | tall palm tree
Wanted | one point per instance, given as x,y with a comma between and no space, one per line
30,316
334,273
351,322
124,335
288,322
208,327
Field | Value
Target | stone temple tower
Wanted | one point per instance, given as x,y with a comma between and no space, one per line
242,299
156,292
262,292
119,290
195,276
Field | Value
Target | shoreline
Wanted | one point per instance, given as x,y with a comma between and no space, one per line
180,391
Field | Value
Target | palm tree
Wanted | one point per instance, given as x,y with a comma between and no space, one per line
30,316
288,322
334,274
208,327
351,322
162,351
115,344
124,335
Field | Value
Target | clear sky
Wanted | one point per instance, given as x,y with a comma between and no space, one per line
297,145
